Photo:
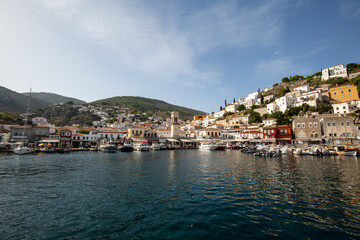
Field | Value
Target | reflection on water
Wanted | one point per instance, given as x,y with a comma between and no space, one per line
178,194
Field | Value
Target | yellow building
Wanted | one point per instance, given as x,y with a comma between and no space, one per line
343,93
136,132
199,117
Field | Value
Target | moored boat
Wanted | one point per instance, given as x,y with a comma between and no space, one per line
20,150
126,147
141,147
109,147
208,146
155,146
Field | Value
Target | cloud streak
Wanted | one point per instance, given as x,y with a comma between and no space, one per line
160,46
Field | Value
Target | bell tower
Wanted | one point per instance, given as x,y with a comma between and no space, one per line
175,126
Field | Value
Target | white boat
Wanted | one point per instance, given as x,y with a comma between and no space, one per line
141,147
155,146
23,150
208,146
106,146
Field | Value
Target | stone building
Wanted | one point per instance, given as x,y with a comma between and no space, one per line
339,129
307,129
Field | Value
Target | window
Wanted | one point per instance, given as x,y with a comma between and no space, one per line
311,135
310,124
344,107
298,125
349,90
330,134
334,124
342,95
337,108
315,124
303,125
334,93
342,123
334,134
349,94
335,97
329,124
285,131
316,135
347,123
342,91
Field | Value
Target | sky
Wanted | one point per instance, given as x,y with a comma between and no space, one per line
189,53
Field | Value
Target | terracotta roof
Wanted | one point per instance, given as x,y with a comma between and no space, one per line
2,122
4,130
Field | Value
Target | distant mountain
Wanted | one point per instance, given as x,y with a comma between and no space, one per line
11,101
147,104
53,98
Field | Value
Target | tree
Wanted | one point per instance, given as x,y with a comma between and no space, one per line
283,91
324,107
254,117
225,103
228,114
280,118
296,78
285,80
356,81
275,85
241,107
352,66
234,100
221,108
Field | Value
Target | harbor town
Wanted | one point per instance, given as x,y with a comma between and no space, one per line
305,118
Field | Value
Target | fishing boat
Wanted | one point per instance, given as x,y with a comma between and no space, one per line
22,149
126,147
106,146
343,151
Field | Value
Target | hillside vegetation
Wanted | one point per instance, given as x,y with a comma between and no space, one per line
11,101
147,105
67,114
53,98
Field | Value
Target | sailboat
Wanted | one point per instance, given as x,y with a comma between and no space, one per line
22,149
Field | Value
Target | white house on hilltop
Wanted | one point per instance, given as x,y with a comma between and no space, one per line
334,71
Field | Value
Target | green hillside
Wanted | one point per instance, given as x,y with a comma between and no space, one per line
11,101
52,98
147,105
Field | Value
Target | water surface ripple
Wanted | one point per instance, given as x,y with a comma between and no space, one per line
181,194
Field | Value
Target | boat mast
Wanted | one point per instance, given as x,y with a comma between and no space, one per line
26,115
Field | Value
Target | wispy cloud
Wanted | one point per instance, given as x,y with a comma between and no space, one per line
350,9
166,49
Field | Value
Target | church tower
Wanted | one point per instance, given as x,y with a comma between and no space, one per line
175,126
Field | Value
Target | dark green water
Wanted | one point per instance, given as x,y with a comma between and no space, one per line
182,194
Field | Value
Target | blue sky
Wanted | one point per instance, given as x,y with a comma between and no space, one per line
192,53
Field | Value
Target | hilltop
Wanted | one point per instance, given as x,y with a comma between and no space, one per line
53,98
11,101
147,105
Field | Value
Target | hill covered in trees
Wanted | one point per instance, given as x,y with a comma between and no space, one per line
147,105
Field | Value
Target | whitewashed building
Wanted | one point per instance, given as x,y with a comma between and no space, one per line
344,107
218,114
231,107
272,107
305,88
334,71
285,102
